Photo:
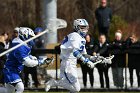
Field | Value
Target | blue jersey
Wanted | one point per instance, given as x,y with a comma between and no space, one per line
14,65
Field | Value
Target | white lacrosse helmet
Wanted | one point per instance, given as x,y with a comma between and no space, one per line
25,33
16,29
81,26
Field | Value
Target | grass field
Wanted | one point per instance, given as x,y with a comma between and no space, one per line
82,92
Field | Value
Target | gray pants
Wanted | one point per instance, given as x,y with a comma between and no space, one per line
118,78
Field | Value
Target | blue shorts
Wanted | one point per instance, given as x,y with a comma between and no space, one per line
11,76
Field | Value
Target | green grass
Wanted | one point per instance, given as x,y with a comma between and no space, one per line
82,92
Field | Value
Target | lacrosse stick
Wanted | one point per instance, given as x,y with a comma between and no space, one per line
53,23
108,59
105,60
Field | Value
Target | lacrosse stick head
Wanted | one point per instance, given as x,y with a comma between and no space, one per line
108,60
56,23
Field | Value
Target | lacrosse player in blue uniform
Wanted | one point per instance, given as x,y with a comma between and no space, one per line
17,59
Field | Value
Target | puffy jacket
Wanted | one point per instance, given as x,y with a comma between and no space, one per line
103,16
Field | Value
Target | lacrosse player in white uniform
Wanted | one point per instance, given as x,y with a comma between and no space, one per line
73,48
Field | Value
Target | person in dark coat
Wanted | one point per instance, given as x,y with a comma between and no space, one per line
133,58
103,16
38,43
102,49
2,59
118,63
85,69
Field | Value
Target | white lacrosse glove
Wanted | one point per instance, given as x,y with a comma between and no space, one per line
32,57
89,63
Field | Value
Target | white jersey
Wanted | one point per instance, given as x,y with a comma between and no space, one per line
70,43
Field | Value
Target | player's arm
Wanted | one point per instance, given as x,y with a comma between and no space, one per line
22,55
32,61
92,58
85,60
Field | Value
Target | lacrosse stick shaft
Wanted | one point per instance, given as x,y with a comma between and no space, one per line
15,47
97,62
59,24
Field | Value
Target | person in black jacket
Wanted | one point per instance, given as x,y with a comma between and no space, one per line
103,16
38,43
133,58
85,69
101,49
2,59
118,63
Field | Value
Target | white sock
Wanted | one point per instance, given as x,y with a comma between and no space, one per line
10,88
19,87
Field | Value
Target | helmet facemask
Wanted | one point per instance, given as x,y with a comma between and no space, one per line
81,26
83,30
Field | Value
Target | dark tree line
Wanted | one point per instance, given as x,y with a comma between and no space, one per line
29,12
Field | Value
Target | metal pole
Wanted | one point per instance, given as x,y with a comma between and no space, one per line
49,11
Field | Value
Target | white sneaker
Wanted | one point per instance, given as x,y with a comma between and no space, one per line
49,84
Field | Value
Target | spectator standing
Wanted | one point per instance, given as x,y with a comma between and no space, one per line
133,59
2,59
85,69
33,70
38,41
101,49
6,40
103,16
118,62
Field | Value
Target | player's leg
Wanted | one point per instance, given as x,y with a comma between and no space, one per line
19,87
69,77
72,87
10,88
3,90
69,80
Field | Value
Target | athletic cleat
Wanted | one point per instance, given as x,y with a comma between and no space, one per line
49,84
